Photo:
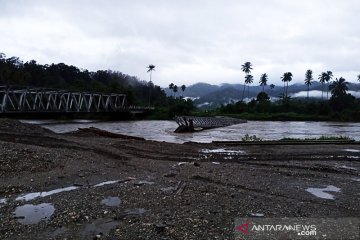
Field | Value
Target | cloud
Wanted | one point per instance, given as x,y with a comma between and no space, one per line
188,41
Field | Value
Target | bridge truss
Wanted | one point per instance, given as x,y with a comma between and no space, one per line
47,100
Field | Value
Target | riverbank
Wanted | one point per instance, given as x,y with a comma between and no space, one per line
118,187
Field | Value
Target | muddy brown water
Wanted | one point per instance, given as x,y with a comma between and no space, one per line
163,130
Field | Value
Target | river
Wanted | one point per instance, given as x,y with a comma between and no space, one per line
163,130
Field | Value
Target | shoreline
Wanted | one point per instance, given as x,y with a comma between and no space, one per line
165,190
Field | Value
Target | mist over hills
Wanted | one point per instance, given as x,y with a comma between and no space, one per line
210,96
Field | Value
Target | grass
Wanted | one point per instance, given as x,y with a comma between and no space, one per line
322,138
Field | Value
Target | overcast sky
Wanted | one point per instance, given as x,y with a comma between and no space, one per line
188,41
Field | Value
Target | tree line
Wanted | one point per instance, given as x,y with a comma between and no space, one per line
15,72
340,106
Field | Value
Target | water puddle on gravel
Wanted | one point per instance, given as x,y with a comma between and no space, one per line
352,150
33,214
136,211
31,196
111,201
106,183
347,167
322,192
98,228
223,151
3,201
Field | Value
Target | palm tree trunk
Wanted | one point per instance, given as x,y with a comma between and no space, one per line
327,92
322,91
150,89
248,91
284,90
308,92
242,99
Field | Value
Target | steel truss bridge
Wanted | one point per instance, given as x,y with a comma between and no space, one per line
40,100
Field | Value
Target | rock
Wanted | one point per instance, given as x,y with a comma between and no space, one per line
170,174
168,190
160,227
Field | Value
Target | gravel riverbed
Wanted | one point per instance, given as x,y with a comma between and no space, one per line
91,184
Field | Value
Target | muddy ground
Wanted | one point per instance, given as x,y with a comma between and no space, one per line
162,190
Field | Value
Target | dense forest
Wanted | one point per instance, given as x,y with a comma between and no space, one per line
15,72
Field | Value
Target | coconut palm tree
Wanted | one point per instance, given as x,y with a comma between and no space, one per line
322,79
286,78
308,79
246,68
249,79
150,68
263,81
338,87
175,90
329,76
183,87
358,76
171,86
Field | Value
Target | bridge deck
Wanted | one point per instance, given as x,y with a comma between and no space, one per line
207,122
40,100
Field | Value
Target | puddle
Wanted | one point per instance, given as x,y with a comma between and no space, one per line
111,201
99,227
106,183
322,192
31,196
136,211
352,150
346,167
223,151
33,214
257,214
3,201
182,163
140,183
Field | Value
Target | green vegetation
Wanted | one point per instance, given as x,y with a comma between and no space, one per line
16,73
341,106
322,138
248,138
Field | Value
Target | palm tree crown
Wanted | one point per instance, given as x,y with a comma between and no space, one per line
338,87
151,68
263,80
249,79
246,67
358,76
